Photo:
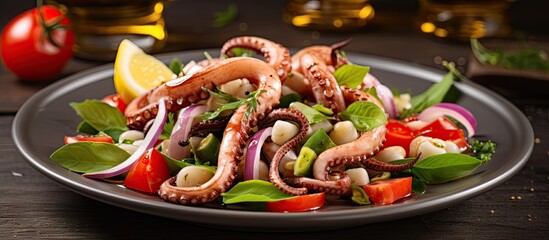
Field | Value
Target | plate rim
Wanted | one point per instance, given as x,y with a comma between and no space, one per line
389,212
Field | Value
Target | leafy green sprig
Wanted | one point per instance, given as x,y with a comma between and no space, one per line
525,57
233,102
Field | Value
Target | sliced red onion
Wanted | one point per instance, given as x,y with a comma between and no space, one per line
461,110
251,167
387,99
148,143
433,112
369,81
383,92
181,130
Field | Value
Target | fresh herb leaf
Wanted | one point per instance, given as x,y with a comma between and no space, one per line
524,57
175,165
418,187
168,127
220,94
99,115
445,167
114,133
251,101
86,157
85,127
351,75
313,116
287,99
254,191
176,66
483,150
365,116
225,17
208,56
242,52
433,95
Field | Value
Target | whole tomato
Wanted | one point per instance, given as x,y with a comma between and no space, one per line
36,46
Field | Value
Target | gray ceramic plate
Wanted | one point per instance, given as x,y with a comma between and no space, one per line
41,123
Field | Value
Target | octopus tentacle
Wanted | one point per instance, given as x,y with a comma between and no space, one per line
353,95
333,187
238,129
187,90
299,119
323,83
374,164
275,54
205,127
350,153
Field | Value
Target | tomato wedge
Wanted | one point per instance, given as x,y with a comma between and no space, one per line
444,129
148,173
83,138
388,191
398,134
115,101
301,203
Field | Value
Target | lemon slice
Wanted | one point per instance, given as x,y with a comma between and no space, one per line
135,72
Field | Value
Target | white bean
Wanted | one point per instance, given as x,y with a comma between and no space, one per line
192,176
132,135
129,148
414,145
283,131
232,87
344,132
391,153
269,149
137,142
359,176
431,147
416,125
451,147
245,88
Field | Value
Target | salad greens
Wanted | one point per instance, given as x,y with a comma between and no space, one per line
525,57
254,191
351,75
86,157
365,116
445,167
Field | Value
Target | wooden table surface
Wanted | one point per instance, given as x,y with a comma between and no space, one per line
33,206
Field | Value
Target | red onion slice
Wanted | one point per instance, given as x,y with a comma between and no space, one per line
148,143
383,92
433,112
461,110
181,130
251,167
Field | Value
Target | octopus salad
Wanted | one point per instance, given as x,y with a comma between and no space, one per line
285,131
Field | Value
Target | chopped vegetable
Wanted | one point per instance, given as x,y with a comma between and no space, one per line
389,191
148,172
301,203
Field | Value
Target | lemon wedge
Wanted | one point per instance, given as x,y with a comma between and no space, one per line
136,72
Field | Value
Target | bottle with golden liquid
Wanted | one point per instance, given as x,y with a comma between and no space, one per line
100,25
464,19
328,14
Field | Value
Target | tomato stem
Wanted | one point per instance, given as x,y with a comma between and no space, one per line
49,28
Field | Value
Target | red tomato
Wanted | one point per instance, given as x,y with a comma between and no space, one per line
441,123
115,101
148,173
398,134
444,129
82,138
29,53
298,204
388,191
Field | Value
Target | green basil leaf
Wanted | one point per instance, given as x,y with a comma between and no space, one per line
114,133
351,75
287,99
176,66
175,165
365,116
86,157
445,167
254,191
99,115
242,52
313,116
85,127
433,95
418,187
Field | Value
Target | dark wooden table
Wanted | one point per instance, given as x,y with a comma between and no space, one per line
33,206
